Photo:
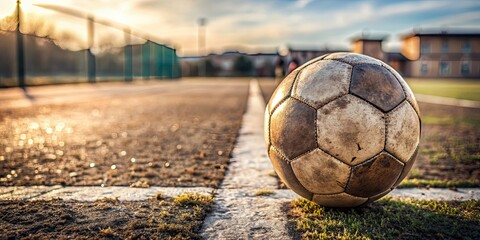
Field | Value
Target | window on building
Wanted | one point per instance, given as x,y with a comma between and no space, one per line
424,69
444,68
444,46
466,48
465,68
425,48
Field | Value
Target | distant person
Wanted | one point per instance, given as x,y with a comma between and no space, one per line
280,68
293,65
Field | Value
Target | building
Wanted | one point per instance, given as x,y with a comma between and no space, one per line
230,64
428,53
442,53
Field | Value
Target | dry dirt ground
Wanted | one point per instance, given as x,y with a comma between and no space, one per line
180,135
159,218
450,141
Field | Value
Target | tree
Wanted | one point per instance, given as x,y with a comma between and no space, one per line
243,65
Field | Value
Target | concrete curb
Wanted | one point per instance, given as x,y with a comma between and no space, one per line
238,213
447,101
90,194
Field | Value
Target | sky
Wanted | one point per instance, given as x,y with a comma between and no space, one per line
257,25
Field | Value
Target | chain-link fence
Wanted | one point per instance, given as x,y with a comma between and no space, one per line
47,44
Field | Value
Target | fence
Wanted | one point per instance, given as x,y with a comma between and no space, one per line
49,44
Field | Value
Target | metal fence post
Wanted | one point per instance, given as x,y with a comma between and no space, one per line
20,51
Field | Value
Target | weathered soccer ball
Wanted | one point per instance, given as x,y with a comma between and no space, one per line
342,130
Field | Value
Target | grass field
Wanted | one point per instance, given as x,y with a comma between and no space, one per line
453,88
388,219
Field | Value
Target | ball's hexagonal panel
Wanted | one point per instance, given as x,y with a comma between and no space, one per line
377,85
408,92
350,129
266,128
282,91
292,128
374,176
338,200
403,132
406,169
322,81
320,173
284,171
353,58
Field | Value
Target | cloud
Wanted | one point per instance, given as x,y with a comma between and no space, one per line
301,3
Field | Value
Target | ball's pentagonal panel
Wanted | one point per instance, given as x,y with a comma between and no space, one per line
403,132
282,91
284,171
320,173
322,81
408,92
350,129
338,200
374,176
292,128
406,169
266,128
352,58
377,85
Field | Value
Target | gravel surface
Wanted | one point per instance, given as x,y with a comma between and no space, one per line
178,135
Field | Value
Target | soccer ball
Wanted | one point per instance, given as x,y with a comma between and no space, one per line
342,130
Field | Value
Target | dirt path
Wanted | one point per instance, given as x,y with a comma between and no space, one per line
170,134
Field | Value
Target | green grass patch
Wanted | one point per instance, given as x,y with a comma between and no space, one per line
193,199
388,219
411,183
453,88
264,192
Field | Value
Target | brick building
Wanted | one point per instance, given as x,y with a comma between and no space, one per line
429,53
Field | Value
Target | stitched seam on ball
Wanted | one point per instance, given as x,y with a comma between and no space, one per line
404,91
278,105
418,115
331,155
328,194
304,101
284,158
316,128
294,85
394,157
349,177
368,160
343,61
350,83
403,169
387,122
280,153
290,90
398,80
385,117
369,103
303,154
323,105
